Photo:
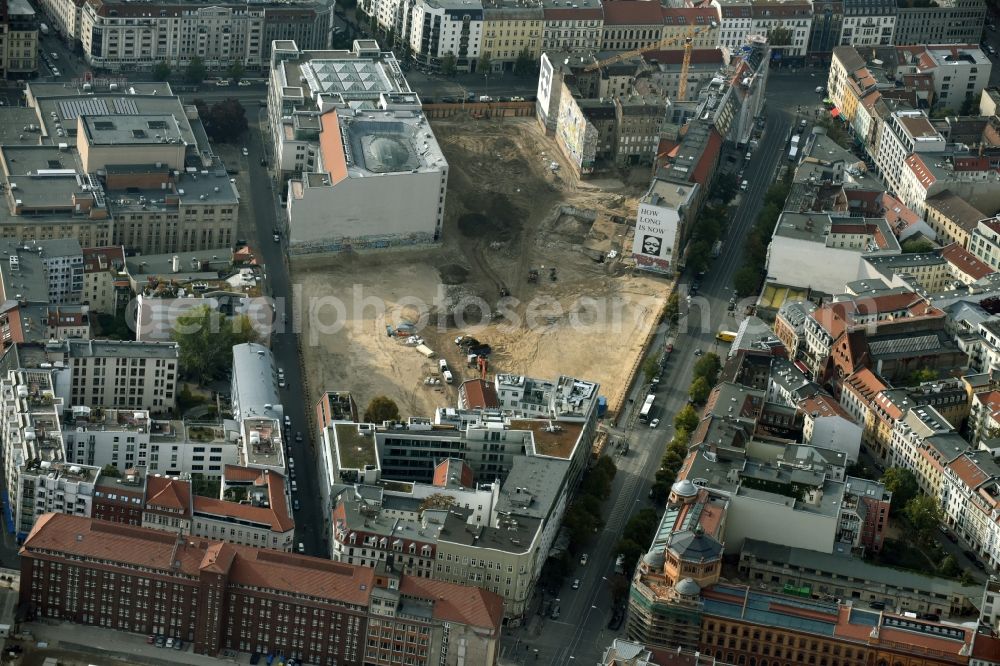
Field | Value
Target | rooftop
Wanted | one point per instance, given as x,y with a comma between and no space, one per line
557,439
356,448
255,390
125,130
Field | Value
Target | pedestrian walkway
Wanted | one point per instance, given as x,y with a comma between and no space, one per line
131,648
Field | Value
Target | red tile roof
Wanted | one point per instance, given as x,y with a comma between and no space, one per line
632,12
823,405
103,258
573,14
471,606
480,394
300,574
164,493
959,257
694,16
450,467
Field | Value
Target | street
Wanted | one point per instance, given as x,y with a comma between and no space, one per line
264,204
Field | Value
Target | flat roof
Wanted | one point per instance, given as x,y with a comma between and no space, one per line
254,380
354,449
131,129
551,438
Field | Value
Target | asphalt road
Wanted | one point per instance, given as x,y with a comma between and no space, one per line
284,343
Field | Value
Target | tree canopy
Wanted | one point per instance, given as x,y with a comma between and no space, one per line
448,65
699,390
708,366
161,71
381,408
224,121
206,338
902,484
196,71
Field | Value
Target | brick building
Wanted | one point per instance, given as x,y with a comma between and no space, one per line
221,596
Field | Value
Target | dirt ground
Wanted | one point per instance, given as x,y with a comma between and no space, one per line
506,214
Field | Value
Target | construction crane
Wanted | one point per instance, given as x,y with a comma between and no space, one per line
687,40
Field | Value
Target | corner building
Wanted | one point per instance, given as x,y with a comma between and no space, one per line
222,596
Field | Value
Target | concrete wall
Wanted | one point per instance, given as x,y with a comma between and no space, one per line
374,211
770,521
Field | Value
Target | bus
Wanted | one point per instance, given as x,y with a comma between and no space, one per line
725,336
647,407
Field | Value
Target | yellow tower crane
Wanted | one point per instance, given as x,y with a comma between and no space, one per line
687,40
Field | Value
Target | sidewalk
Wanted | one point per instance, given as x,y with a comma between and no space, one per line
131,648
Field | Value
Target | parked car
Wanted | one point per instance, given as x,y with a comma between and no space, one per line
744,185
222,82
298,437
151,639
169,644
244,83
245,151
277,238
161,641
654,423
295,505
301,547
178,644
583,559
576,583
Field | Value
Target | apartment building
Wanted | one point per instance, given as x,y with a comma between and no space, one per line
868,23
984,242
489,535
905,132
791,23
252,510
104,278
946,22
970,499
631,24
126,439
257,407
118,36
959,71
217,595
572,27
512,29
18,40
826,29
42,272
735,21
699,24
440,29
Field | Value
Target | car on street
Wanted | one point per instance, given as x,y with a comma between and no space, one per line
244,83
277,238
654,423
576,583
295,505
288,421
222,82
744,185
583,559
555,612
281,383
698,352
169,644
802,123
161,641
301,547
295,487
670,348
820,89
178,644
55,56
245,151
151,639
298,437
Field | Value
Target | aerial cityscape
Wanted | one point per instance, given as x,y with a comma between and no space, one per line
500,332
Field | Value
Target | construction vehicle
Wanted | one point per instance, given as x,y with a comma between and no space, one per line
533,275
687,41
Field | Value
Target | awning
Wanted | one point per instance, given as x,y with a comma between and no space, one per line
834,112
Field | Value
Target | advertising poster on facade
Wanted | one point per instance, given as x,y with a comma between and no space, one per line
655,233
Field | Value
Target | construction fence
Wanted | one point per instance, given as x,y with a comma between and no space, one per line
481,109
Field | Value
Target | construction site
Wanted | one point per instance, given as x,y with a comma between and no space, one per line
531,264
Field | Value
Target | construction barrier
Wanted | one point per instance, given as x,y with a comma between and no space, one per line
481,110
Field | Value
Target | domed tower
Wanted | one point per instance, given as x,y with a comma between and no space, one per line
683,492
695,555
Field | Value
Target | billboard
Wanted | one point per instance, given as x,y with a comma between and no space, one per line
655,234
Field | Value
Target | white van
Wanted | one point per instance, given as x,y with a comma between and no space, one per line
448,378
442,364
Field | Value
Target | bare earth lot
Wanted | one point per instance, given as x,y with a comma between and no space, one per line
505,216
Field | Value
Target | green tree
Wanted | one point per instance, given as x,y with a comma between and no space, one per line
650,368
903,486
196,71
224,121
746,280
672,461
949,567
682,436
924,514
917,245
484,62
725,187
524,64
111,470
630,552
686,419
672,312
708,366
236,71
161,71
381,408
206,338
448,65
699,390
699,255
942,112
921,375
